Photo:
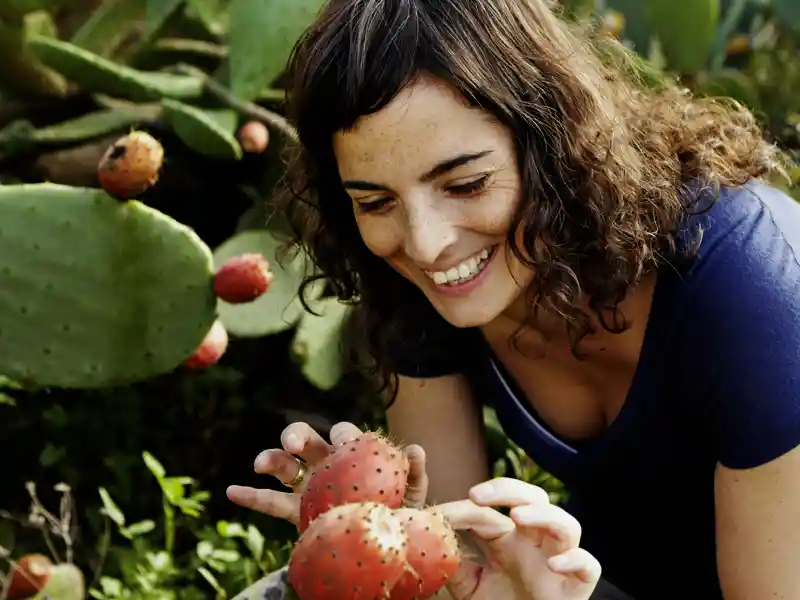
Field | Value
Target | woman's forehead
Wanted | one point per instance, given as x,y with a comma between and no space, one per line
424,124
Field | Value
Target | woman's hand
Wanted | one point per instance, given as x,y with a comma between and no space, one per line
301,440
531,555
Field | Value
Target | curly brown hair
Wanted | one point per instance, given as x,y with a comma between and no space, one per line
606,159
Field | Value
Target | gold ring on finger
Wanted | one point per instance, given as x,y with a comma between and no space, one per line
301,474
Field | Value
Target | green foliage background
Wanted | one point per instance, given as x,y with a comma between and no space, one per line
128,481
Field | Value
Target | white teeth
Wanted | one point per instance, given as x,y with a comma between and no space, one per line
463,272
438,277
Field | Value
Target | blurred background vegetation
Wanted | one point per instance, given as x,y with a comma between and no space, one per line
128,482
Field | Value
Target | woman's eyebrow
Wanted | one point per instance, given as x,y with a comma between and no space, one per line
437,171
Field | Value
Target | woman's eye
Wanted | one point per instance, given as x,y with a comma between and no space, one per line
465,189
374,205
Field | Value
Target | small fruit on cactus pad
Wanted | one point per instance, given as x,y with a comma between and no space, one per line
242,278
253,137
352,552
30,575
211,349
367,469
432,557
131,165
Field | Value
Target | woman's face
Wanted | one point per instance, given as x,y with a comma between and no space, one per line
434,185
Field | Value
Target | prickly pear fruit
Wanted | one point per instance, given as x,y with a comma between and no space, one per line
242,278
367,469
210,349
253,136
31,574
432,556
131,165
352,552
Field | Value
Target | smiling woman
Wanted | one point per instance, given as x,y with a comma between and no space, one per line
525,224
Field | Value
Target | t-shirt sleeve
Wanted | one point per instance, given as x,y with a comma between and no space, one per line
749,317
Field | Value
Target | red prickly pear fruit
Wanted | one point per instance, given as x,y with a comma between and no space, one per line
432,557
131,165
352,552
31,574
242,278
367,469
253,136
210,349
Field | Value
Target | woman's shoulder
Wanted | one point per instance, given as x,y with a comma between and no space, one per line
744,235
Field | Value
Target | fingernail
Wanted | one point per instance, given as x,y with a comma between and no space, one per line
482,492
260,461
292,442
559,562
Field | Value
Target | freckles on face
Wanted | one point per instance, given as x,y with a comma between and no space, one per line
424,125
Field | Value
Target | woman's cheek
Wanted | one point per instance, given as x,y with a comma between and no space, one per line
380,236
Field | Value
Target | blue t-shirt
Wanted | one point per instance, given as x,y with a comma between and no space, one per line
718,381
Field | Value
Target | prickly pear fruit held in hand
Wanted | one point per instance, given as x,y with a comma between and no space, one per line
367,469
432,557
253,136
30,576
131,165
211,348
242,278
352,552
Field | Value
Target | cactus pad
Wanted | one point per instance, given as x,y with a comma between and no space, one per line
96,74
96,292
280,308
206,131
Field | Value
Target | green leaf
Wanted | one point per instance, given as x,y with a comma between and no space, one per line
110,508
173,490
50,455
261,39
155,467
139,528
230,530
255,542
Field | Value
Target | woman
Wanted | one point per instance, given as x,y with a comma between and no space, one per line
526,225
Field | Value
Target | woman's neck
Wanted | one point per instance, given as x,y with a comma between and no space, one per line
546,331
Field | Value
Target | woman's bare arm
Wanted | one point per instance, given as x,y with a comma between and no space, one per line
441,415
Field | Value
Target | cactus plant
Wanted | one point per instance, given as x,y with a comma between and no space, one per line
97,74
278,310
315,345
209,132
686,30
96,292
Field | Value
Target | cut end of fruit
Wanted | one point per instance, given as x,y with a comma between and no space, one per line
385,529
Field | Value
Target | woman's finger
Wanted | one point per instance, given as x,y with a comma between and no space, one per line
301,439
577,562
344,432
486,523
417,490
279,464
281,505
533,519
504,491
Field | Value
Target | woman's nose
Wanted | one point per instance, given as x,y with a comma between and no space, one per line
429,232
